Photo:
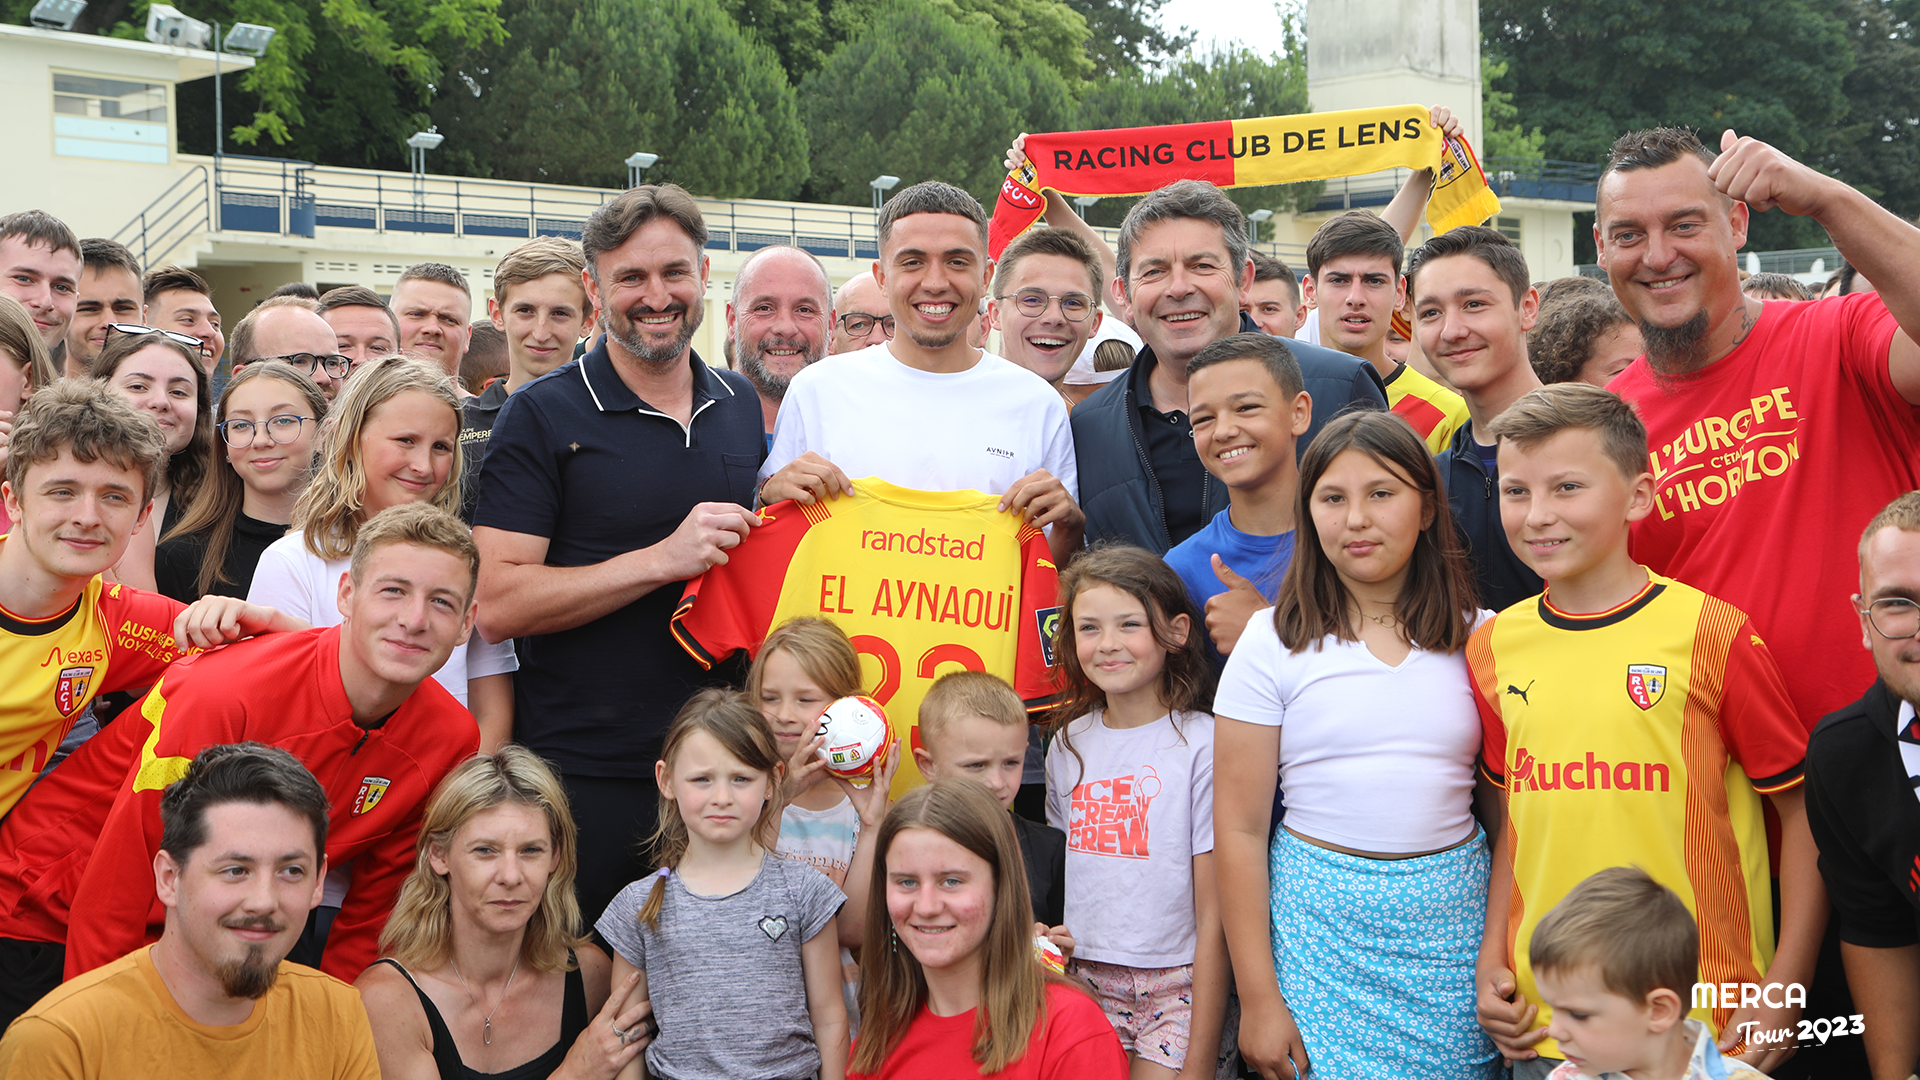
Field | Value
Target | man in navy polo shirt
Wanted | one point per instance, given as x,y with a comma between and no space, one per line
609,483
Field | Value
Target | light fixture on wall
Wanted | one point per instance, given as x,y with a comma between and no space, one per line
56,14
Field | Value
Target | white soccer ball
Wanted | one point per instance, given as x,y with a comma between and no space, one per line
858,736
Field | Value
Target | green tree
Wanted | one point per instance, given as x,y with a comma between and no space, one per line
1586,71
1126,35
1223,83
806,32
924,97
1877,145
563,101
1505,135
344,82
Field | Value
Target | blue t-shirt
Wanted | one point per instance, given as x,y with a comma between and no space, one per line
1260,559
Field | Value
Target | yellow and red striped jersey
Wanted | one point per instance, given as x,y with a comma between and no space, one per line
112,638
1645,736
923,582
1434,411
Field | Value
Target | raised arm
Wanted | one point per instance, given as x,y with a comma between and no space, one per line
1403,213
1060,214
1882,247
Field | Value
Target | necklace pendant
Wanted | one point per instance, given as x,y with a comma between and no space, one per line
486,1032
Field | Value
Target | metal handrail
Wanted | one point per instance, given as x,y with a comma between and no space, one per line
185,216
288,197
1542,169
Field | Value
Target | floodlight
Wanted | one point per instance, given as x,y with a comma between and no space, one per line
425,140
167,25
248,39
641,161
1084,201
1260,215
57,14
883,182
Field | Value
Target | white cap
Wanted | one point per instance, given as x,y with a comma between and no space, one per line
1111,329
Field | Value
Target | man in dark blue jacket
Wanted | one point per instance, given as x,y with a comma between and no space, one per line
1183,265
1472,308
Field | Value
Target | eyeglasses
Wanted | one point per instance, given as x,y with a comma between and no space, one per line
283,428
1895,617
860,324
1074,307
171,335
335,364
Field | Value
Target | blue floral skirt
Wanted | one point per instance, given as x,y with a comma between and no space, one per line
1375,958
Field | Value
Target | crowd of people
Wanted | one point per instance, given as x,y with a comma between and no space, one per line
445,699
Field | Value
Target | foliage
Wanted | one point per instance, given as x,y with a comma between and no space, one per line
806,32
1876,147
344,81
924,97
1223,83
1505,135
1585,71
564,102
1126,36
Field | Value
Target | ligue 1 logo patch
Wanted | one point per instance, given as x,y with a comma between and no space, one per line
1047,620
371,789
1646,683
71,691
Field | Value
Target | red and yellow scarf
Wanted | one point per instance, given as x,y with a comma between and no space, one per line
1246,153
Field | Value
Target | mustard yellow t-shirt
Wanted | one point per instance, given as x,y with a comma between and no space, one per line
119,1021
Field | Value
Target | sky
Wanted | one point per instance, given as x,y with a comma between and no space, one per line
1254,23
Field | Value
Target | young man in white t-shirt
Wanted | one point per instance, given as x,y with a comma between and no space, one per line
926,410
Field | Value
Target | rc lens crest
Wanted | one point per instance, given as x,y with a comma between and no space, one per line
1646,683
372,788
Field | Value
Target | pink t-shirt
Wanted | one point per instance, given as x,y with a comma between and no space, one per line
1767,465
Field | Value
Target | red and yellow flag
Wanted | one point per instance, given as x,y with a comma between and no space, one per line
1246,153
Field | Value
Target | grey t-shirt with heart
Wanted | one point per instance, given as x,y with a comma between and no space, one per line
724,972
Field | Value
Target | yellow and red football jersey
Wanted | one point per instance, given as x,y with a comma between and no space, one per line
1641,736
1434,411
113,638
923,582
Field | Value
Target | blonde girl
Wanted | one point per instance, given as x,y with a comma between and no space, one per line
727,937
392,437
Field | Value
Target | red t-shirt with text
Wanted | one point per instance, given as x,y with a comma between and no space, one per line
1767,465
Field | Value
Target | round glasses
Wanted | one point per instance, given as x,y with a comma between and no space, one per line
283,428
860,324
1895,617
1032,303
335,364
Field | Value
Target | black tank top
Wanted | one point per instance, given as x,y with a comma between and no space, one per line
573,1020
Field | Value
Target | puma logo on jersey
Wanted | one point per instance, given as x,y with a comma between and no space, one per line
1512,689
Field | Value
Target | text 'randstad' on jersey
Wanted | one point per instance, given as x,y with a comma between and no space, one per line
923,582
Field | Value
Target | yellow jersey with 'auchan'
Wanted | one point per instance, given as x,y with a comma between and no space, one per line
1641,736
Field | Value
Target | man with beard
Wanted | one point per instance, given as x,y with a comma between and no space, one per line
1777,429
778,321
608,485
927,410
240,865
1863,770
